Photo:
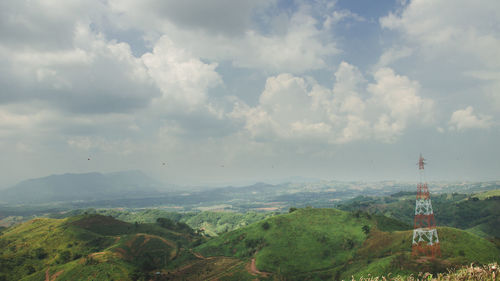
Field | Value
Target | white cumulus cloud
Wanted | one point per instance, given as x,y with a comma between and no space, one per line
299,109
464,119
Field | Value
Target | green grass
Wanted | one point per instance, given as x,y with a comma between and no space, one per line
479,213
307,244
303,241
462,247
331,244
90,246
487,194
212,223
458,247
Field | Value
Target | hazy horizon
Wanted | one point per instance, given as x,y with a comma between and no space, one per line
243,183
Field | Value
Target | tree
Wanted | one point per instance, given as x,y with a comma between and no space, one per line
64,257
366,229
166,223
40,253
266,225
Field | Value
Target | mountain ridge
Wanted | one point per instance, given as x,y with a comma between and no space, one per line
82,186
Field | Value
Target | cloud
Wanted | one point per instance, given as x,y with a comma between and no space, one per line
182,78
465,25
341,15
464,119
281,42
60,64
393,54
44,25
446,28
397,96
95,75
218,17
450,38
452,49
298,109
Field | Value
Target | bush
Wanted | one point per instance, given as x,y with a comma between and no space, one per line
266,225
64,257
40,253
348,244
292,209
366,229
165,223
29,269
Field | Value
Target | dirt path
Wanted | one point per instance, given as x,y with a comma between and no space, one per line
198,255
53,277
252,269
147,238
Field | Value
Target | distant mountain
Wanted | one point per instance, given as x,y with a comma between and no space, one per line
76,187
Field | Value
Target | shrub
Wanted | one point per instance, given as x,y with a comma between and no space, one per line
165,223
366,229
40,253
64,257
266,225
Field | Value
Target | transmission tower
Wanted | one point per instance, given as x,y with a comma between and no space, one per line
425,237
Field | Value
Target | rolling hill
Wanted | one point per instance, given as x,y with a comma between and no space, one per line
94,246
331,244
305,244
478,213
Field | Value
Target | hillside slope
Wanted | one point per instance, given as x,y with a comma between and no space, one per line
477,213
89,245
211,223
332,244
307,244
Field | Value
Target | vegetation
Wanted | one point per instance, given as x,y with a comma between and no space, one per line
306,244
328,243
89,245
479,273
478,213
210,223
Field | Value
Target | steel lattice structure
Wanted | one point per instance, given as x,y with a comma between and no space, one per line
425,237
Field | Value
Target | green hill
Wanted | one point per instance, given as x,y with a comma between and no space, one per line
328,243
306,244
89,245
477,213
212,223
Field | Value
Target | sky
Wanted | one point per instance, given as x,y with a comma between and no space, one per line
240,91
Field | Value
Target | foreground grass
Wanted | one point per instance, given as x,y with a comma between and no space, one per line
480,273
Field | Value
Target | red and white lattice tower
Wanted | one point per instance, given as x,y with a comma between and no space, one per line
425,237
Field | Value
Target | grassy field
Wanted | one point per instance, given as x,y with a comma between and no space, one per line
487,194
